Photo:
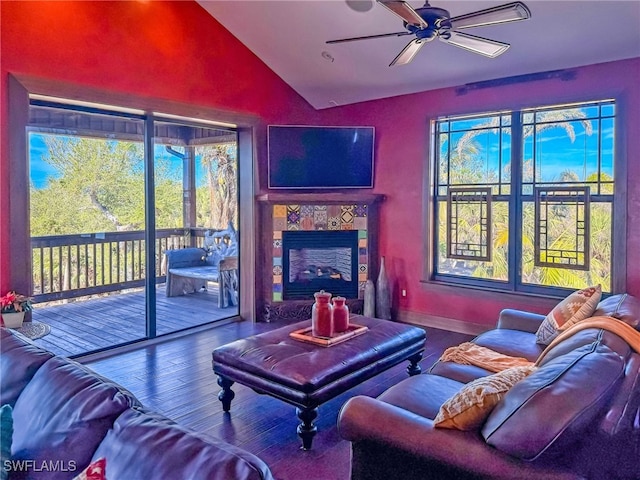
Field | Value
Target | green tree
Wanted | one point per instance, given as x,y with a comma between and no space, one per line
99,187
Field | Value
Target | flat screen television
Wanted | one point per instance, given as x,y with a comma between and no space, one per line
320,157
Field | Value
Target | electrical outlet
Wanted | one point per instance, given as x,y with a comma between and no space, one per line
404,293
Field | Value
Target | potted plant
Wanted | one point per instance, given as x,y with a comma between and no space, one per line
13,306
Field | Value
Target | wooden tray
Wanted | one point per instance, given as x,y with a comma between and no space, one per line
304,335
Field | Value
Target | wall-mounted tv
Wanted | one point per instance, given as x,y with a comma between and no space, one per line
320,157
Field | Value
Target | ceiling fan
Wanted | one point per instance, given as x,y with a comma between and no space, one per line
428,23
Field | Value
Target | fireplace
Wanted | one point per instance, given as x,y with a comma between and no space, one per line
312,242
319,260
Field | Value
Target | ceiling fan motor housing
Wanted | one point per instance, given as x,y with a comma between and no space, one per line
437,20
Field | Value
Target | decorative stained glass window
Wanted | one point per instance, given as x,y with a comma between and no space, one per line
523,200
562,227
469,224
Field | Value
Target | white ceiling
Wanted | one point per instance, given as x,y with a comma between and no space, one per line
289,36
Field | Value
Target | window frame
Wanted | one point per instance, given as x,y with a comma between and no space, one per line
514,285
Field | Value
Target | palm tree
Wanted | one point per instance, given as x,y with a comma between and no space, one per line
220,163
549,119
465,156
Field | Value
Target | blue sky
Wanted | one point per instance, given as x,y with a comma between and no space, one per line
555,152
41,171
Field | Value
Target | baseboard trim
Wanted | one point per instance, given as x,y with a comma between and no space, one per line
442,323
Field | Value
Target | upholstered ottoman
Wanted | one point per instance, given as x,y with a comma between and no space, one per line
306,375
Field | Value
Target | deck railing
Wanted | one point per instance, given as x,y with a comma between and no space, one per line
69,266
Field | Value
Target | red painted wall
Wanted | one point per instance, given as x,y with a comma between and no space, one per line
166,50
402,134
176,51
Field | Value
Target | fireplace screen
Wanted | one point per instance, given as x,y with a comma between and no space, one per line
320,260
310,264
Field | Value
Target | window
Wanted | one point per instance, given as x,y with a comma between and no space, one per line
524,200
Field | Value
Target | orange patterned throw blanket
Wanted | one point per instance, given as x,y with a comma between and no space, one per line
468,353
613,325
471,354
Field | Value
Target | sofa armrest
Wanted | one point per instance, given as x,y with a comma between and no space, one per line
369,420
520,320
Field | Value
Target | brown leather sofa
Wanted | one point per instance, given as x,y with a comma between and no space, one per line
576,416
66,416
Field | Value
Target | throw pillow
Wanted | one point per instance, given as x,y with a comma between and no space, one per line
6,434
470,407
95,471
573,309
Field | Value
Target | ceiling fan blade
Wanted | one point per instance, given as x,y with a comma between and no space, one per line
408,52
483,46
352,39
510,12
405,12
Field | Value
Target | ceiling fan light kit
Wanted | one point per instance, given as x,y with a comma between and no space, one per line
427,23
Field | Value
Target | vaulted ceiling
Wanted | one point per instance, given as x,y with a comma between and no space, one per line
289,36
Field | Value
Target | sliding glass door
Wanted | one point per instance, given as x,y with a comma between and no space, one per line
196,220
112,195
87,227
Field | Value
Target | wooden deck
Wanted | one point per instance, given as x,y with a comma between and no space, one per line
175,378
94,324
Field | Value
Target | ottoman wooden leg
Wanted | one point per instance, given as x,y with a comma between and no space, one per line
414,368
226,394
307,430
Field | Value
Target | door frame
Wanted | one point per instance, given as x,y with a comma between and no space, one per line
19,245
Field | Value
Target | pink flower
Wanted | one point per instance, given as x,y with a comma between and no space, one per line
14,302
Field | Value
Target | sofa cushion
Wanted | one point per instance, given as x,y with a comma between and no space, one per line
469,408
623,307
551,408
421,394
458,372
587,337
191,455
515,343
63,413
576,307
19,361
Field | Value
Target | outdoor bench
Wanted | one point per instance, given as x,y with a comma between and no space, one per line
189,270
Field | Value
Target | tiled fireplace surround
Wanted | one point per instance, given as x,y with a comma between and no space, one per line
326,212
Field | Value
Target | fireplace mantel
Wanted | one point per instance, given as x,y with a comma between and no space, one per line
331,211
321,198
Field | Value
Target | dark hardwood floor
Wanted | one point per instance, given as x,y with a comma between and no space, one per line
175,378
88,325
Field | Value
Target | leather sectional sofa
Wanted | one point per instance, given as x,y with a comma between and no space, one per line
66,416
576,416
